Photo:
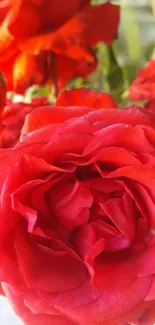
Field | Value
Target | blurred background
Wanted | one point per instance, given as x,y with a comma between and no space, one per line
7,314
133,48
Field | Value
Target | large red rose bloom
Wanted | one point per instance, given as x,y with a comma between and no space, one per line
77,232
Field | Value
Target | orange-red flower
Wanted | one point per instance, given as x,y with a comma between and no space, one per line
44,41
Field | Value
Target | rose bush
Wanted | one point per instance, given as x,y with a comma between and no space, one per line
77,226
48,41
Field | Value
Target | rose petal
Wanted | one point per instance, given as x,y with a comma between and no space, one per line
70,204
45,269
45,115
85,98
100,27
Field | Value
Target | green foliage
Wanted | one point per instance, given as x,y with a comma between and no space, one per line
134,46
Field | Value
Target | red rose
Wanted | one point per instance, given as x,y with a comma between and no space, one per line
12,119
77,227
143,87
51,41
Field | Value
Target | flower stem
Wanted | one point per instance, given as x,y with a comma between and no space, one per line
54,74
153,7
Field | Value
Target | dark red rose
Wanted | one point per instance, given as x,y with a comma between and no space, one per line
143,87
77,226
51,41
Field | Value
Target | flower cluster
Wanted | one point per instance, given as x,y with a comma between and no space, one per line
77,177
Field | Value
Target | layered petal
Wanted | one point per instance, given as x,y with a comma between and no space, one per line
77,214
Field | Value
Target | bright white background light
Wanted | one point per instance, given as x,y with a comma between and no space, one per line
7,315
